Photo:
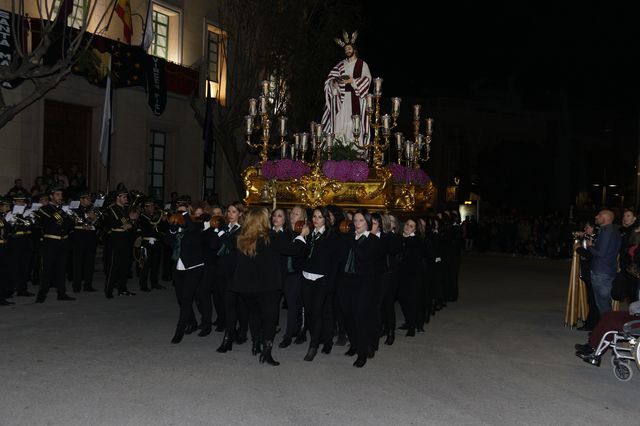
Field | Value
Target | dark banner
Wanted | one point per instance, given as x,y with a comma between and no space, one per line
156,83
6,47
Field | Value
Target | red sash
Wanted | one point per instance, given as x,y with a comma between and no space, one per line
355,101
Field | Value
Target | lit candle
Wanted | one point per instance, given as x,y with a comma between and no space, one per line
283,126
355,121
248,120
283,152
267,128
419,138
386,121
296,140
312,128
263,104
304,141
395,106
253,106
330,137
407,149
318,130
265,88
399,138
370,103
293,152
416,112
377,86
429,126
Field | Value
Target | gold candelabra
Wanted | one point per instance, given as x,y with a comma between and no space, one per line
417,150
262,124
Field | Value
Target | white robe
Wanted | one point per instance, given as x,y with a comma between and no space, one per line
337,111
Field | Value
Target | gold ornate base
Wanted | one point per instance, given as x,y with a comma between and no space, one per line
378,192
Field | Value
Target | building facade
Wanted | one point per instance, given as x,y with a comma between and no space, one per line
154,154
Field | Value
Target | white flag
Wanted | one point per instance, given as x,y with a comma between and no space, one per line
147,37
105,129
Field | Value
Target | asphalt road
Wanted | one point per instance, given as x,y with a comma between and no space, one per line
499,356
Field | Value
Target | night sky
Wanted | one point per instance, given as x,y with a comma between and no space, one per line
543,51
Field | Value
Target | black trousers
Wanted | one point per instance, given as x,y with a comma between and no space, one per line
54,265
263,313
389,289
21,249
203,301
293,296
189,288
151,268
408,294
594,314
357,299
121,248
318,307
84,244
5,285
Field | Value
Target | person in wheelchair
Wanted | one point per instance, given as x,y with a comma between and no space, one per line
614,320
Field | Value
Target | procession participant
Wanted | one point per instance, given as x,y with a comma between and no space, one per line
21,245
391,247
119,223
435,251
234,309
318,272
333,311
84,242
409,274
213,213
56,225
356,285
5,232
453,255
345,91
151,226
257,276
36,234
292,273
189,271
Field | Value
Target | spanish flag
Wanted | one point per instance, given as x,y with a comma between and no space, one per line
123,9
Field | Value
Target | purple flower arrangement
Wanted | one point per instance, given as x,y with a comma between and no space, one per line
346,170
284,169
403,174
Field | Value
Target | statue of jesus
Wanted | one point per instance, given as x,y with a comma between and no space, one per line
345,93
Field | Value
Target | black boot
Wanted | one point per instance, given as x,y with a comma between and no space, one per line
360,362
391,337
265,356
227,344
311,353
177,338
255,347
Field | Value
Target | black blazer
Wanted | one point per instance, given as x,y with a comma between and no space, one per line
321,254
192,244
227,252
410,263
263,271
366,253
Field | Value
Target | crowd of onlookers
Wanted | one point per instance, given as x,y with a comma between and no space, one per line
73,181
536,236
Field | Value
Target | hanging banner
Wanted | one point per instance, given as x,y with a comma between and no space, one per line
6,47
156,84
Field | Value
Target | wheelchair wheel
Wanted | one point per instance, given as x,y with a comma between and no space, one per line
623,371
636,352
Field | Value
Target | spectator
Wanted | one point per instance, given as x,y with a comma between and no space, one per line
17,187
60,178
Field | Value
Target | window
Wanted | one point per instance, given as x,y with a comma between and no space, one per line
77,16
215,58
167,36
156,164
160,44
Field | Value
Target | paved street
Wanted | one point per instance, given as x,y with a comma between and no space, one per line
499,356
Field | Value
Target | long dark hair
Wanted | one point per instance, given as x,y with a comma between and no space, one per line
327,218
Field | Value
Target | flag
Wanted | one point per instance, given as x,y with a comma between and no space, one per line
207,128
123,9
105,130
147,37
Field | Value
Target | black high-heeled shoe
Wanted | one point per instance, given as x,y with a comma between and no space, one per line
286,342
190,328
226,345
205,332
391,337
266,356
351,351
360,362
177,337
311,353
256,347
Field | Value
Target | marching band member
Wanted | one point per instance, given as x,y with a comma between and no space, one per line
84,242
119,223
21,245
5,232
151,225
56,225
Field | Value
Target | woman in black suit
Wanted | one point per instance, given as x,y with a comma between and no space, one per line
257,276
357,285
318,272
387,270
409,274
189,271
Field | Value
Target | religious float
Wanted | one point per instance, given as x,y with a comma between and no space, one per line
305,172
